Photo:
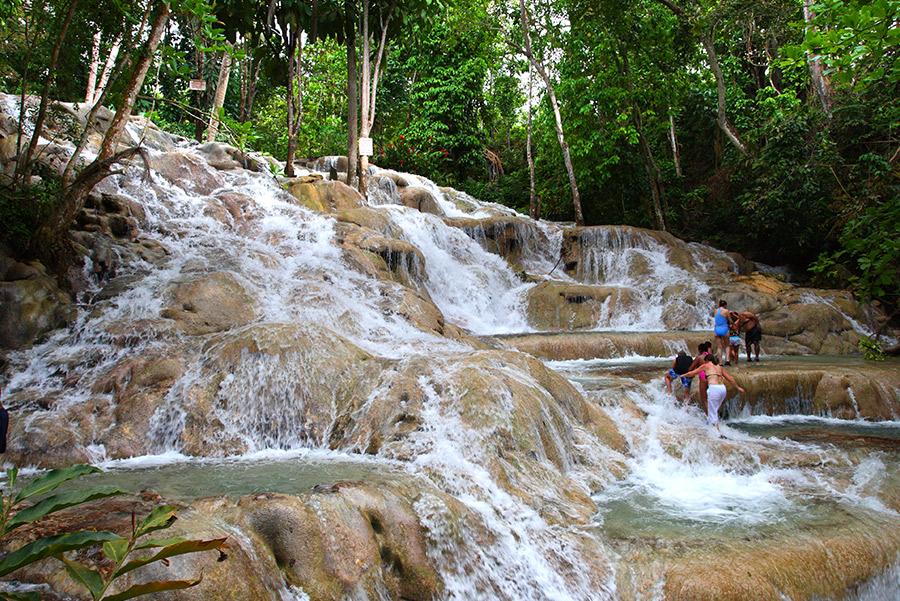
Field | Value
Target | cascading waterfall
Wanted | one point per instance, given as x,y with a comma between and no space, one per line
305,294
669,296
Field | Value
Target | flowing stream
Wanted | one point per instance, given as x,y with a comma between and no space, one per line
672,484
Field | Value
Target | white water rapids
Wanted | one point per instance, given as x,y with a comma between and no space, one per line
288,260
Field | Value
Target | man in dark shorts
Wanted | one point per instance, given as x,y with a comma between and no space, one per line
748,323
680,365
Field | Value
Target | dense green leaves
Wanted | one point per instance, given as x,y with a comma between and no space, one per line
50,546
117,549
59,502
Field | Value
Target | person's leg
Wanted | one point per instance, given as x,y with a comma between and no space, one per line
749,344
669,381
715,396
756,350
4,425
703,388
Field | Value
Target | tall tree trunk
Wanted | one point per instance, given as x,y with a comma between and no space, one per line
25,164
108,68
560,135
129,94
816,72
111,72
352,101
219,98
534,206
364,94
92,71
652,169
295,100
722,116
673,140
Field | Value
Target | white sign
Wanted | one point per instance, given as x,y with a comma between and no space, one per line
197,84
365,147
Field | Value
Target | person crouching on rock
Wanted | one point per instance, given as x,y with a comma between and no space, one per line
680,365
749,323
722,326
716,376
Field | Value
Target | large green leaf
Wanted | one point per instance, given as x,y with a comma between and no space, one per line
116,550
59,502
153,543
85,575
152,587
50,546
180,548
54,478
161,517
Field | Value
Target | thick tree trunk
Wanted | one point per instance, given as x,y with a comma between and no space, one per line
560,135
92,70
816,72
219,98
23,166
130,92
722,116
673,140
534,206
352,101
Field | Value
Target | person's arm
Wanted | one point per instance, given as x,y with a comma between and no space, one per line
693,372
728,377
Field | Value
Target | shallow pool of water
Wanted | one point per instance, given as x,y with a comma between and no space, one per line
192,479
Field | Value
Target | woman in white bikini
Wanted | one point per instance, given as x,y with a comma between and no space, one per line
715,391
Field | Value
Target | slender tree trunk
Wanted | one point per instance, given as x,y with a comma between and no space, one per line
129,94
365,95
219,98
295,100
92,71
111,72
816,72
673,140
352,101
108,68
534,206
652,169
292,140
25,164
564,147
722,116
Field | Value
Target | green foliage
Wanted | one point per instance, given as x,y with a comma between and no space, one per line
869,255
23,209
871,349
44,500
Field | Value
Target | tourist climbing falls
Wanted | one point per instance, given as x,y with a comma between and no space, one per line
420,395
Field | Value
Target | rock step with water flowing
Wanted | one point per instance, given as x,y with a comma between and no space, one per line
419,395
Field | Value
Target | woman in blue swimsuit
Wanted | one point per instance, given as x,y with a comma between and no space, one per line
721,330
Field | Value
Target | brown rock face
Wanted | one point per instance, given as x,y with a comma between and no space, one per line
348,537
421,200
225,157
31,303
564,306
210,303
325,196
188,172
305,382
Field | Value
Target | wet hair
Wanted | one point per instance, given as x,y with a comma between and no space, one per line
704,346
713,359
723,303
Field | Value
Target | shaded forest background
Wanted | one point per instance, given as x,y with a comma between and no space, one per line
767,127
